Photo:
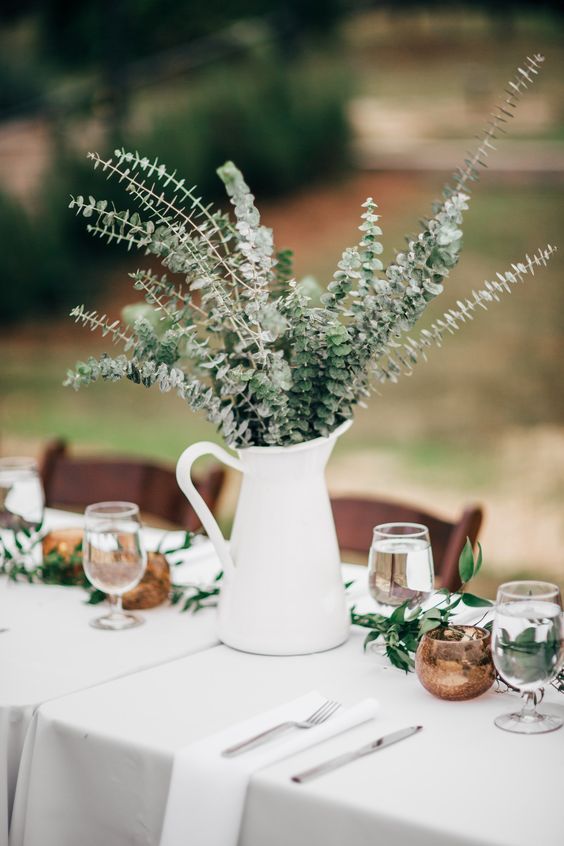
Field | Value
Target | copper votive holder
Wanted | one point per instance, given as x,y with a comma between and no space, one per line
455,663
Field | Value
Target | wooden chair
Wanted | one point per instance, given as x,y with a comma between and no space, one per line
355,519
76,481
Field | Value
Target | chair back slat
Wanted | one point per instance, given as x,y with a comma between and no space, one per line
75,482
355,519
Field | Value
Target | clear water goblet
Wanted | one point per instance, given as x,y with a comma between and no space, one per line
22,504
400,564
22,501
114,558
527,649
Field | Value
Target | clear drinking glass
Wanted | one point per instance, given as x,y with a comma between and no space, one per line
527,648
22,503
400,564
114,558
22,500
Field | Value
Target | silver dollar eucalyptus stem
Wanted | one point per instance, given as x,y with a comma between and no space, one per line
268,359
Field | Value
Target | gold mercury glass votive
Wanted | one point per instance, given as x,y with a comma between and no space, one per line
455,663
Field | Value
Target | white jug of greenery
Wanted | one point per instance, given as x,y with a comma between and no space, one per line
282,592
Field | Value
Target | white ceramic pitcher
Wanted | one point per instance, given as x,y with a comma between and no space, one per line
282,592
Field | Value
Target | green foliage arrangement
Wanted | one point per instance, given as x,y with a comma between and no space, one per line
18,561
404,628
232,332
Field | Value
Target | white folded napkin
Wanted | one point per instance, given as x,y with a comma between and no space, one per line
207,791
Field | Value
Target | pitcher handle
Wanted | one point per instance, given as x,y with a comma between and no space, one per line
187,487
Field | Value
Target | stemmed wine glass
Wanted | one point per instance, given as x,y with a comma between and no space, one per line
527,648
114,558
21,495
22,503
400,564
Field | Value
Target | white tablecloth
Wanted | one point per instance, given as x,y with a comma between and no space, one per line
98,763
50,650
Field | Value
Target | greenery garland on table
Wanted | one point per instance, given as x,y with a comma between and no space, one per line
53,569
194,597
65,568
401,631
268,359
404,628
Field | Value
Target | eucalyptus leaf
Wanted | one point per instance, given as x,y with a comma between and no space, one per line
298,356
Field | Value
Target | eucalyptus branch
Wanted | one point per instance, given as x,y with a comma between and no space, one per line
147,282
94,321
150,282
160,172
147,196
502,113
417,274
285,364
404,356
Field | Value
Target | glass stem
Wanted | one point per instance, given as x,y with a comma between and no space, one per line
116,608
528,711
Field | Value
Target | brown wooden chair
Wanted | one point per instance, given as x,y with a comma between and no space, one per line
355,519
76,481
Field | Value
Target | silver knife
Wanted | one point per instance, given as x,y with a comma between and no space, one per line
341,760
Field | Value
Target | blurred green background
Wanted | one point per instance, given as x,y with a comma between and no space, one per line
321,104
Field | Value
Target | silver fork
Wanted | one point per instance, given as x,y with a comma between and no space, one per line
316,719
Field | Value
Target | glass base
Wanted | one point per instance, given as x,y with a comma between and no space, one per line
117,622
535,723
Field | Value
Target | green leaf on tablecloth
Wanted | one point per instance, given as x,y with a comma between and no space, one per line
370,637
95,597
187,543
400,658
196,596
